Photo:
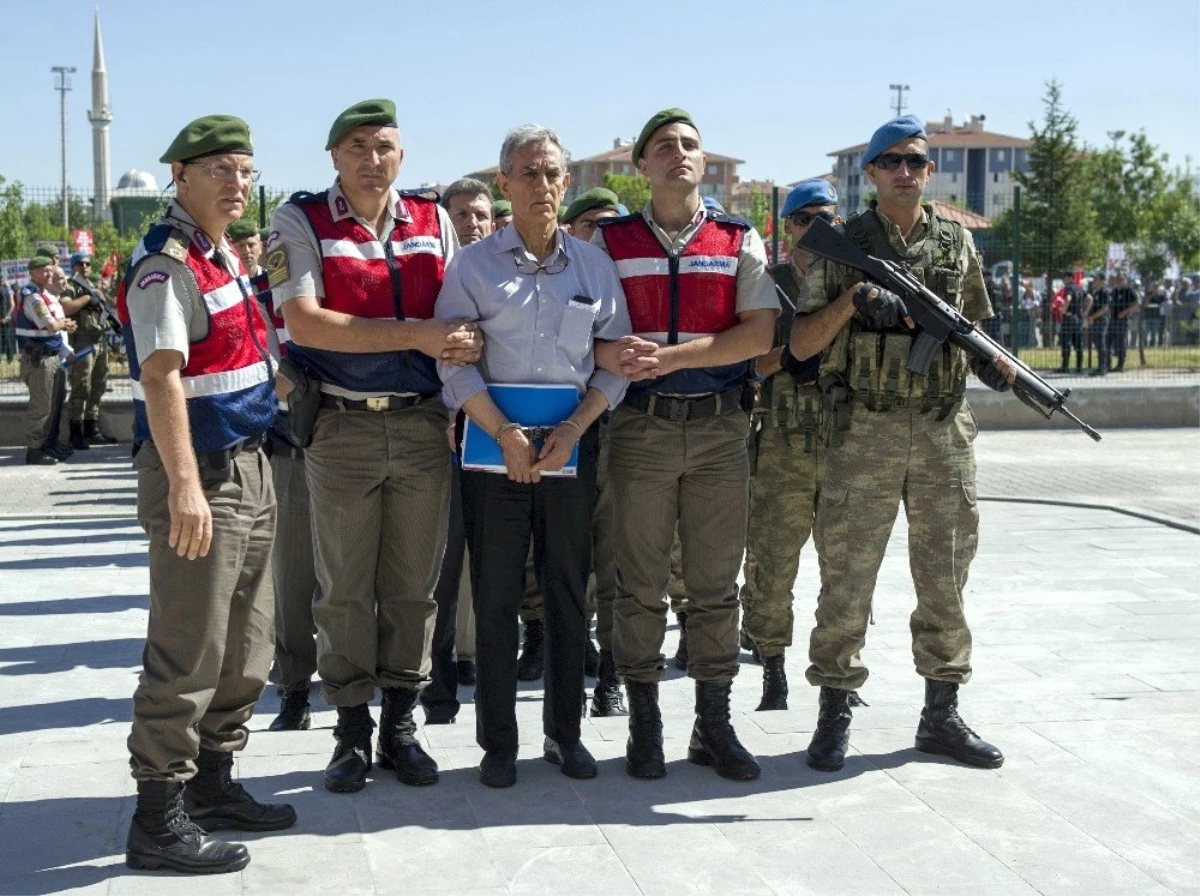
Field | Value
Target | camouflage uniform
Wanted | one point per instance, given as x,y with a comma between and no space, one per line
89,373
783,491
895,437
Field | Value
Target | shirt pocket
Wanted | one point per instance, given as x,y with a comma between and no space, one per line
575,332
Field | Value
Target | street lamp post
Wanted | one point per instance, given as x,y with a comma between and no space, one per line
64,85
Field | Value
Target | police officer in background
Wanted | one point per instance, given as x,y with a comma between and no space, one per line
702,307
1125,302
203,398
787,478
355,270
895,437
83,302
1071,334
1096,315
41,327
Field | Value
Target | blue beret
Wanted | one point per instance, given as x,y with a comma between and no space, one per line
815,191
78,257
891,133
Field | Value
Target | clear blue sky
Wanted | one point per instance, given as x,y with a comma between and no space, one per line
777,84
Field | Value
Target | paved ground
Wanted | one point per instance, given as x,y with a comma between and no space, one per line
1087,626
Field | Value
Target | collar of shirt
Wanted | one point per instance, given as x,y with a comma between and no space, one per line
683,237
896,236
339,206
176,214
508,240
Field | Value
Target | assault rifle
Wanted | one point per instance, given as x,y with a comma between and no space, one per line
936,321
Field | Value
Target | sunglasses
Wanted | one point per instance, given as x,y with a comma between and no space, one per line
803,219
913,161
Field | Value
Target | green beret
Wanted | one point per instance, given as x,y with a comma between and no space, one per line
376,112
209,136
45,251
663,118
264,233
241,229
597,197
501,208
40,261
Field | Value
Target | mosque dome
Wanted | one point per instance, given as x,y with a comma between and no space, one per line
134,179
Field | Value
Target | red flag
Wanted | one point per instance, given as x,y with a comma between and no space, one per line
111,266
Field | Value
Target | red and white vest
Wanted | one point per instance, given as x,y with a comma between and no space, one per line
395,279
676,298
228,380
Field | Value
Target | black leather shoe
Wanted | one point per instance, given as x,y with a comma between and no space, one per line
59,450
775,686
440,717
607,699
466,673
347,770
498,768
714,742
943,731
827,750
294,712
573,758
162,836
38,458
531,663
214,800
644,749
681,652
399,749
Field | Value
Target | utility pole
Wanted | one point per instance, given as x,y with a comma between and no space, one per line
64,85
899,88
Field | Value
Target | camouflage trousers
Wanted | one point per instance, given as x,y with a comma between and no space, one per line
783,501
887,458
89,379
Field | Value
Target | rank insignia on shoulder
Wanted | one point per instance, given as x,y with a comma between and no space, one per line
276,264
176,246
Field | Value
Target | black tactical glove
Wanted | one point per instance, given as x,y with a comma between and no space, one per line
803,372
885,311
989,375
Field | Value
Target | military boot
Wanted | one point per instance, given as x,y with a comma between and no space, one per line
94,434
214,800
294,712
162,836
775,689
533,652
347,770
399,749
942,731
607,699
644,749
714,742
681,653
827,750
77,440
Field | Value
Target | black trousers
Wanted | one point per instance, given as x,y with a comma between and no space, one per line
1118,335
501,517
440,697
1071,337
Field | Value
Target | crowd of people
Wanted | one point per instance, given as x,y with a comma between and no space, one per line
305,402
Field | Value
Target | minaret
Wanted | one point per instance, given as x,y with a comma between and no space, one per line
100,116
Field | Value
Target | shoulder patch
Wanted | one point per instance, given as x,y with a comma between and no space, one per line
151,278
276,263
176,246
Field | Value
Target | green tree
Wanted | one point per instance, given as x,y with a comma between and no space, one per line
633,190
1058,223
13,236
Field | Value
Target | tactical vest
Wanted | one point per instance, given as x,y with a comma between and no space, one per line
397,279
27,331
229,380
871,367
788,406
676,298
89,321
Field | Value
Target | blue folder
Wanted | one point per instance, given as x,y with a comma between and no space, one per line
536,404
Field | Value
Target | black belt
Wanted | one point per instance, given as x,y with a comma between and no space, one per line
222,458
383,403
683,409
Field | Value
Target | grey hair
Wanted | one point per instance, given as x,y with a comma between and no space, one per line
527,135
466,186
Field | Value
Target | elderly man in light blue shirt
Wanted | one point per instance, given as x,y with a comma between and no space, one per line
552,308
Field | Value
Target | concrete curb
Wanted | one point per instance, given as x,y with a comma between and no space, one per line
1161,519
